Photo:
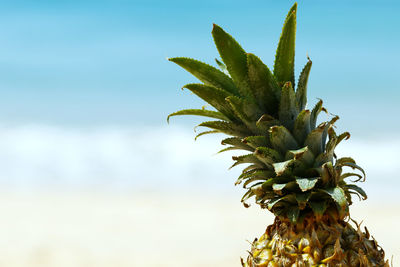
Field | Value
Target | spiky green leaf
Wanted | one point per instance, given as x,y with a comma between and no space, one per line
228,128
267,155
284,58
263,85
314,140
234,57
318,207
278,187
256,141
249,158
236,142
266,122
222,66
248,112
229,148
357,189
350,174
214,96
301,92
302,126
302,199
199,112
303,154
287,107
254,179
285,167
306,184
204,133
314,114
207,74
282,140
338,195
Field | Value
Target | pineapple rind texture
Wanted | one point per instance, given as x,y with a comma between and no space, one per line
323,243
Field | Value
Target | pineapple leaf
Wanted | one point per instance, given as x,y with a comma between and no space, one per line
249,158
349,162
246,111
251,168
306,184
301,92
303,154
350,174
328,126
284,58
199,112
284,167
267,155
229,148
255,173
318,207
314,114
234,57
338,195
343,136
214,96
207,74
282,140
273,202
263,84
246,196
302,199
278,187
265,122
254,179
226,127
345,160
288,198
327,173
314,140
323,158
358,190
355,166
222,66
236,142
256,141
287,106
204,133
302,126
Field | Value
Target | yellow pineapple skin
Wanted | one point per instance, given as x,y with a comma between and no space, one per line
323,243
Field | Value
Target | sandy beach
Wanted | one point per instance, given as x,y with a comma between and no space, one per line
146,229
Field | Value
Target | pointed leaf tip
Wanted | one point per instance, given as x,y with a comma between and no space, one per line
206,73
301,92
284,58
234,57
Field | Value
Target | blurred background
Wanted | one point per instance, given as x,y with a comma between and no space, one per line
92,175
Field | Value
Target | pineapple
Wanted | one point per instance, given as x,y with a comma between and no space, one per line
291,167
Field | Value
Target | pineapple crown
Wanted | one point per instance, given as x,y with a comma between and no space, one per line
291,166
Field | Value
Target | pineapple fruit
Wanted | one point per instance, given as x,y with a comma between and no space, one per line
291,167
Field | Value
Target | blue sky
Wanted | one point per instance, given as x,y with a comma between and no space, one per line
85,87
85,63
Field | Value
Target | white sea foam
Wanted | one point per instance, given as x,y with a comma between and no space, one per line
148,157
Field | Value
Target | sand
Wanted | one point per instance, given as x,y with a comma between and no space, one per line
146,229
